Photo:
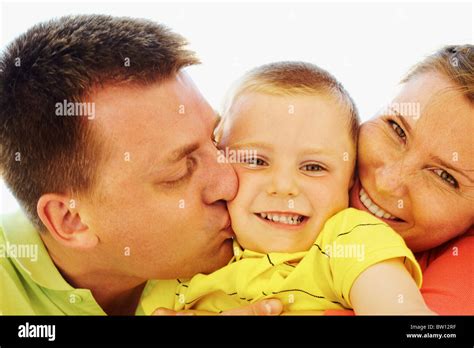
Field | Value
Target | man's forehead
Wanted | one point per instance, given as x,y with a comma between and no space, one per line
156,122
167,101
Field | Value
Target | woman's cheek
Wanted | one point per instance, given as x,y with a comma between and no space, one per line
364,152
370,140
439,216
375,149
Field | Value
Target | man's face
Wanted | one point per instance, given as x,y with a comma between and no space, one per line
161,211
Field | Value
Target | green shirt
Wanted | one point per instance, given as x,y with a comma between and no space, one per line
30,283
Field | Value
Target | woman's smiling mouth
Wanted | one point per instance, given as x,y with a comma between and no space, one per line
374,208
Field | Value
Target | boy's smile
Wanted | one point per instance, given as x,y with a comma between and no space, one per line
298,171
287,218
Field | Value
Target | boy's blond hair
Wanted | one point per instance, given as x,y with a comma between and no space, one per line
291,79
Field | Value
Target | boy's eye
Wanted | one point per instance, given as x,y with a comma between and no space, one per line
448,178
312,167
397,129
254,162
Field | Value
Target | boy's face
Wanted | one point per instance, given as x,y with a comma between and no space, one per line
300,175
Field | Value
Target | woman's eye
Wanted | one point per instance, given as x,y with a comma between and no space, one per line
397,129
444,175
312,167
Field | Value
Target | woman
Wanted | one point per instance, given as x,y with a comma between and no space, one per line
416,172
420,169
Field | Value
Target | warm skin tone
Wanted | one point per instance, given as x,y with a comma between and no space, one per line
298,169
58,217
389,171
305,158
401,161
395,165
133,226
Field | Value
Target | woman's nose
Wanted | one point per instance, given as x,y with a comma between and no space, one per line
283,184
390,179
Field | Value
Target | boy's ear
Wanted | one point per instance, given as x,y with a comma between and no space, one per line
353,177
61,217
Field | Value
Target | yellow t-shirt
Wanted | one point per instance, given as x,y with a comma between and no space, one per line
318,279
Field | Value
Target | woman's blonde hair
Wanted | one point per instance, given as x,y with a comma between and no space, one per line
455,62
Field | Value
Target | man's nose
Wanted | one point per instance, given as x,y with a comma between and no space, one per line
283,183
221,180
390,178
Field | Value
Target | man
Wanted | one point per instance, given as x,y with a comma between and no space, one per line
107,145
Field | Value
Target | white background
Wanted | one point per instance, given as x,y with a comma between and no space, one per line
367,46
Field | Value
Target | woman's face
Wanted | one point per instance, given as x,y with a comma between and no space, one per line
416,170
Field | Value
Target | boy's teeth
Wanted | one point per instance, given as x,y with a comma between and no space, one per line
290,219
374,208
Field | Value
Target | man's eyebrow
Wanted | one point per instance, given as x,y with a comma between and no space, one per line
449,166
182,152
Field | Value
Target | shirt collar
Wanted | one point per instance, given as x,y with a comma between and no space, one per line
276,257
19,231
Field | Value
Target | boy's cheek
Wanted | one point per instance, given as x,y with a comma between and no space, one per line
334,195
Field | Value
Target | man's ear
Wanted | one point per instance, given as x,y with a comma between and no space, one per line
61,217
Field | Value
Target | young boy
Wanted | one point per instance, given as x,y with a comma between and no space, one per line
291,131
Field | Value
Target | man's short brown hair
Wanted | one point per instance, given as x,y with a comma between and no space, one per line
65,60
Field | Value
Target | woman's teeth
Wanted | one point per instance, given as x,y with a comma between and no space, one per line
374,208
290,219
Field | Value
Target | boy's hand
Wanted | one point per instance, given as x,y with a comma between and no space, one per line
300,313
264,307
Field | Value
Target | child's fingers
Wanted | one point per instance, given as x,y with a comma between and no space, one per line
265,307
303,313
163,311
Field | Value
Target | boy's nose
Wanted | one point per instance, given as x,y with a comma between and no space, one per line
283,184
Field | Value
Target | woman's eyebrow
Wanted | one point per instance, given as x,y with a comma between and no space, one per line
403,120
449,166
437,159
